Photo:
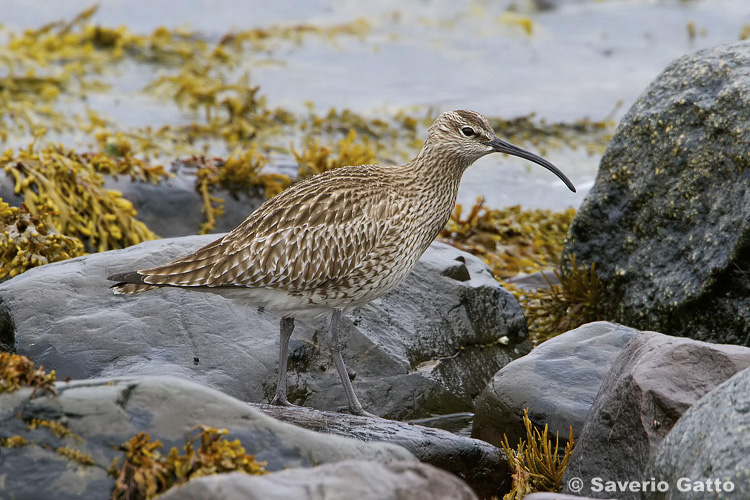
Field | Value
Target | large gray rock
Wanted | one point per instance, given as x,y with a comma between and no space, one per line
667,221
480,464
710,442
339,481
557,381
428,348
175,208
105,413
651,384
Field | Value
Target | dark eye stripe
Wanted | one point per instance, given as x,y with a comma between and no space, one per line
467,131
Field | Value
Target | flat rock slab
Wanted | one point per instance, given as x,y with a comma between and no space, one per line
341,481
651,384
558,382
428,348
105,413
710,444
667,221
480,464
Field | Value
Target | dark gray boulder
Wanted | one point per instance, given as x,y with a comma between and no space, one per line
340,481
175,208
428,348
481,465
102,414
651,384
667,221
557,381
710,443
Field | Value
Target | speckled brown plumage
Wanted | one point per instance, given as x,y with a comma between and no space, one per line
339,239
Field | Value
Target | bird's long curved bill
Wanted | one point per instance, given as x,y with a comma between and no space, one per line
501,146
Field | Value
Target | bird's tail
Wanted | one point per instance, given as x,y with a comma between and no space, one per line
129,283
131,288
191,270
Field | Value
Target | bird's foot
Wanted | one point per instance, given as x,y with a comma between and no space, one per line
282,401
361,413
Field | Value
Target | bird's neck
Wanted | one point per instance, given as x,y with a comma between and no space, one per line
436,173
433,184
438,164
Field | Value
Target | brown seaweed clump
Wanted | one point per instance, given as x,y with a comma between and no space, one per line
19,371
241,172
537,464
316,158
561,307
146,472
511,240
28,241
68,187
60,431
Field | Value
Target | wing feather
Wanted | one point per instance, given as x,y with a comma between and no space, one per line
310,236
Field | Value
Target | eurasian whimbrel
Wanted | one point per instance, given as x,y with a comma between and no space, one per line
339,239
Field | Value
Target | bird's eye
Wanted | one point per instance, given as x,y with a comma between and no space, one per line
468,131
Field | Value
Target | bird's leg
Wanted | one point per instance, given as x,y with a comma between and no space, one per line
286,329
334,345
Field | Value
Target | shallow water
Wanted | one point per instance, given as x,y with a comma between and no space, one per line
457,423
581,59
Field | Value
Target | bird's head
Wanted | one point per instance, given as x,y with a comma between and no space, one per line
468,136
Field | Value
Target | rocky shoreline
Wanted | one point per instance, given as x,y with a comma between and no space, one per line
652,403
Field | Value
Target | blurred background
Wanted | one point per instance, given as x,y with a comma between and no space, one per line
555,76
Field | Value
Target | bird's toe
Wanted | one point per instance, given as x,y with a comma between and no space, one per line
282,401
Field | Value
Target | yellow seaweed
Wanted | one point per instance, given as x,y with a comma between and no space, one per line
241,172
510,240
316,158
28,240
146,472
560,308
536,465
19,371
68,188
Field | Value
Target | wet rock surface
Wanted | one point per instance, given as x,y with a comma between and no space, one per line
428,348
174,207
480,464
652,383
709,445
339,481
102,414
558,382
667,222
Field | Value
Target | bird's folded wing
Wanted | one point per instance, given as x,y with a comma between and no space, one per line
316,240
